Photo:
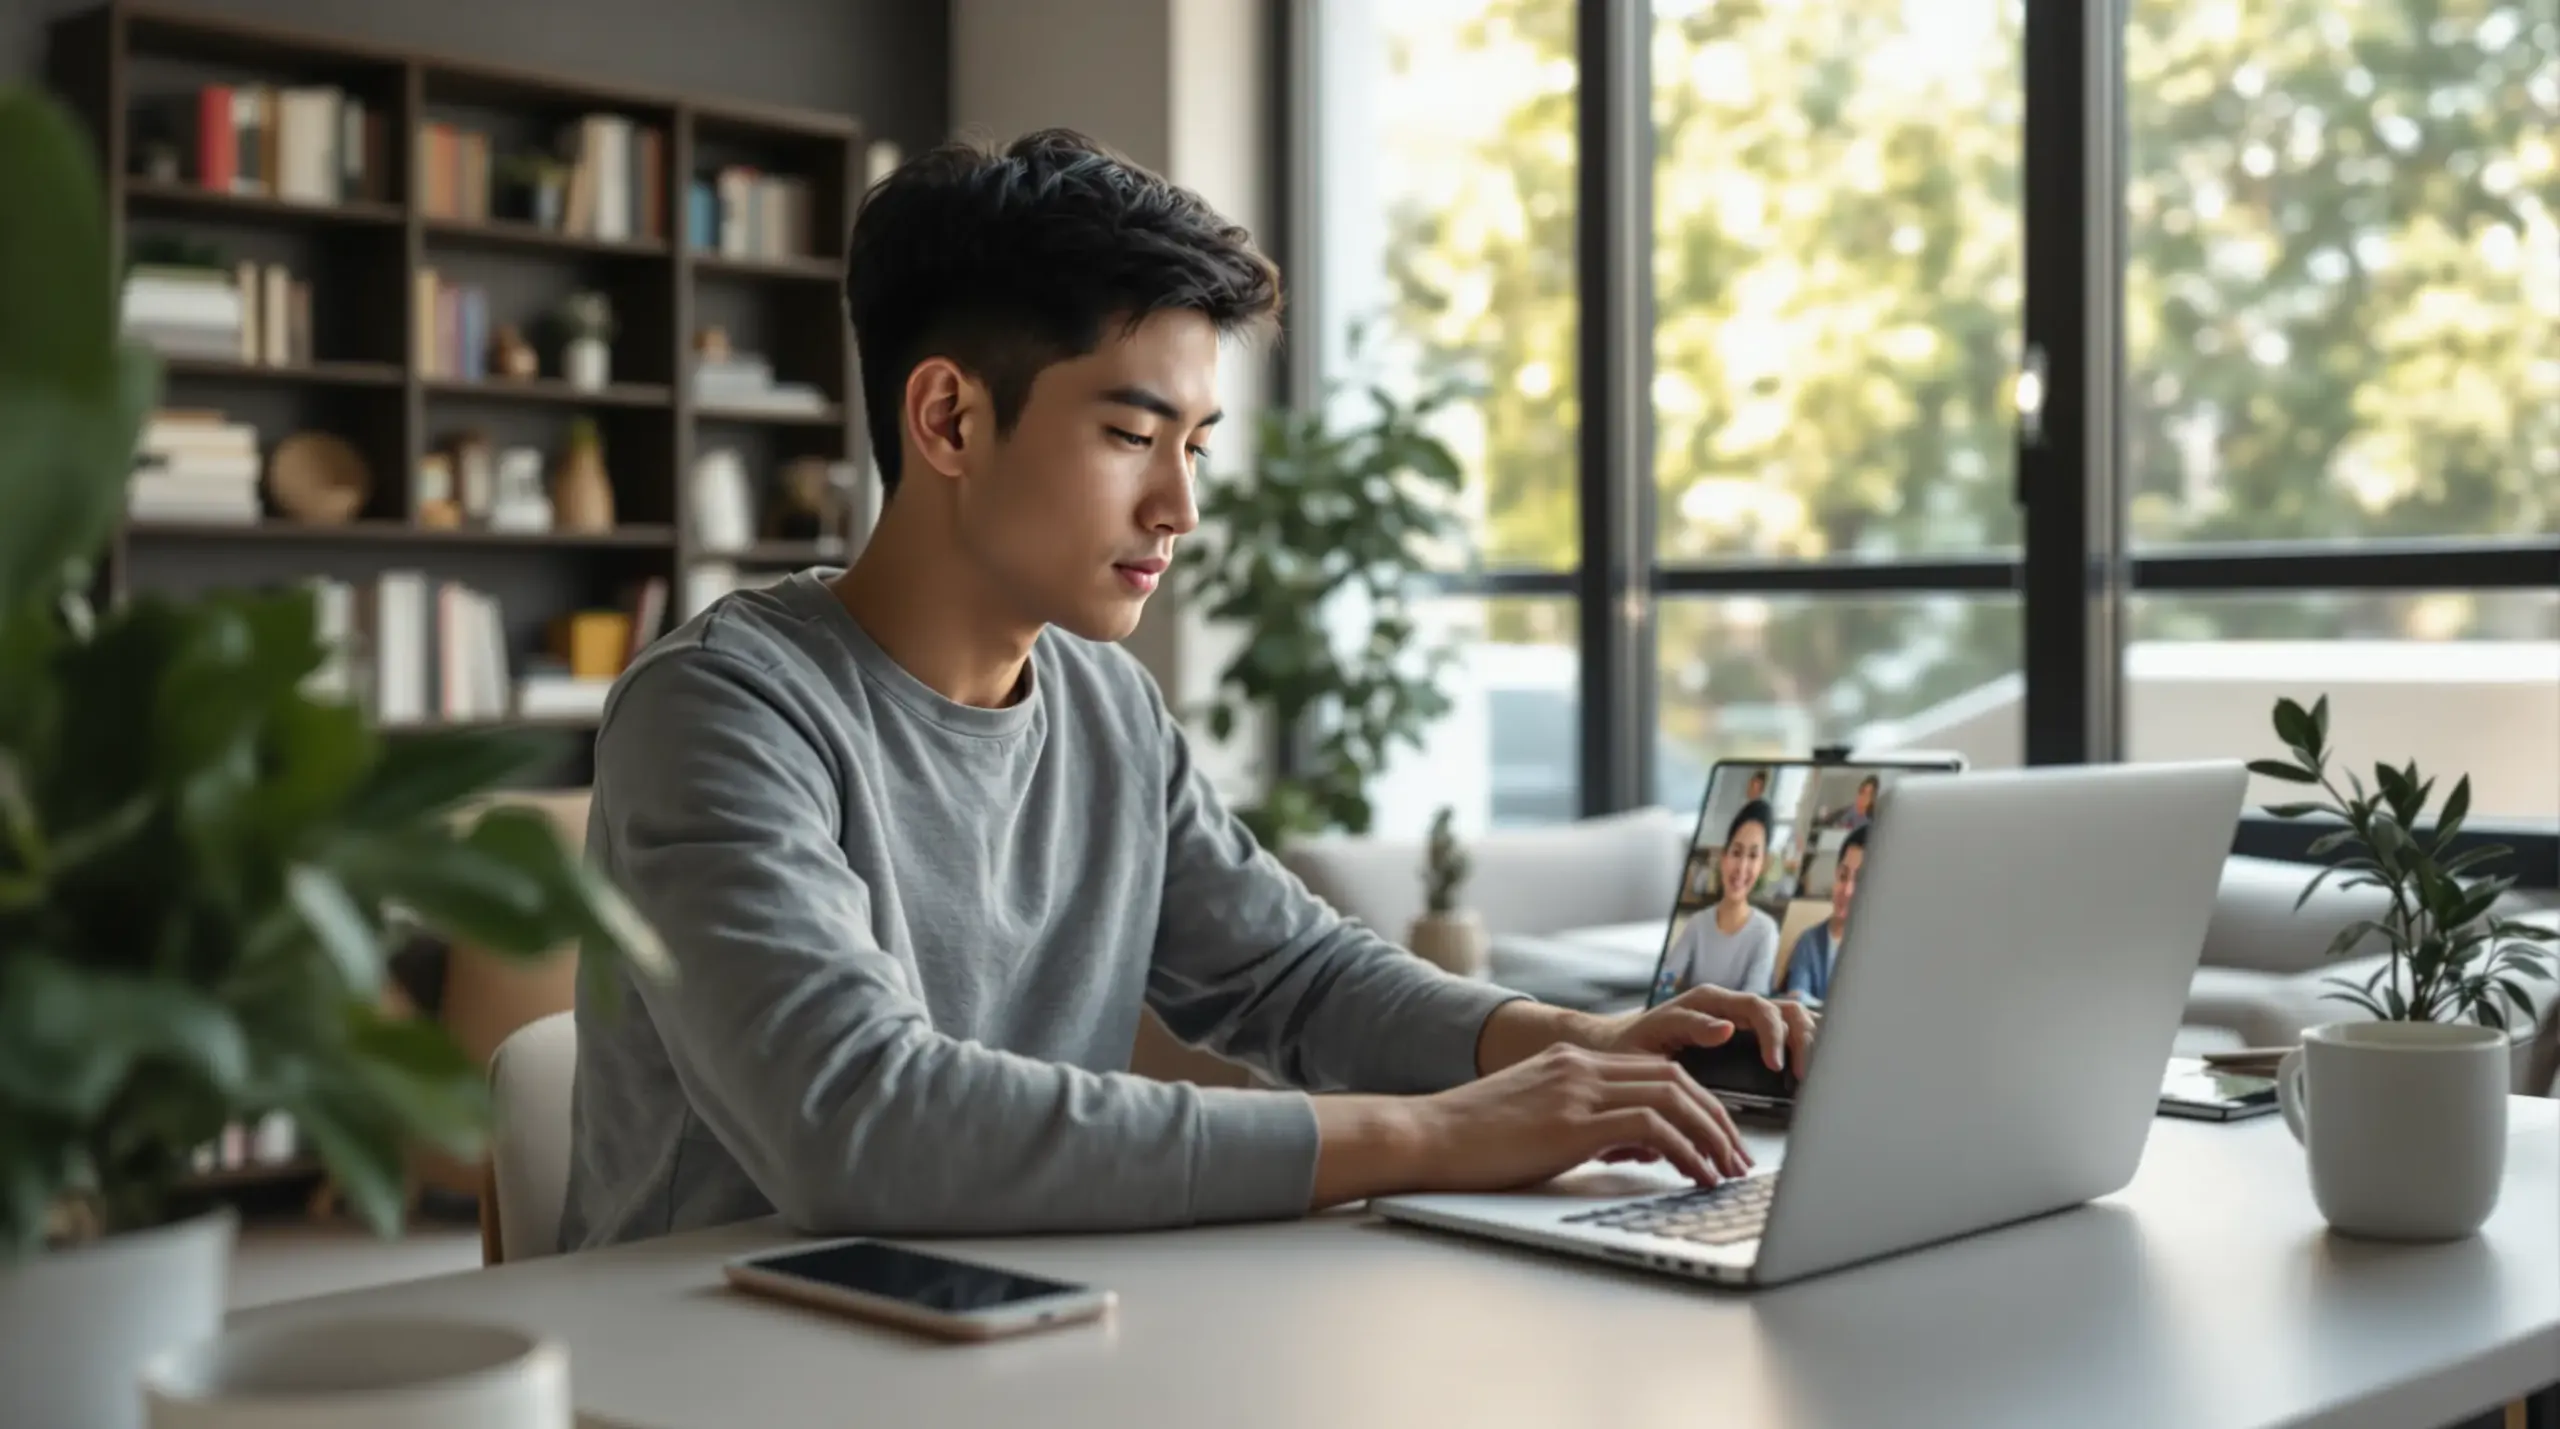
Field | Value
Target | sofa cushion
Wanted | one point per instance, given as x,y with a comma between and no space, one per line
1537,880
2255,926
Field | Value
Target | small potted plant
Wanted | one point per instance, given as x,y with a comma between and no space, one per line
203,864
585,324
536,188
1448,935
2421,1078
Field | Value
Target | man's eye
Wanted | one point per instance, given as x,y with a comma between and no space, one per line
1132,438
1199,456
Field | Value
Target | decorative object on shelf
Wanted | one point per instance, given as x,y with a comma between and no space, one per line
585,324
2405,1117
521,502
318,479
511,357
475,477
711,343
804,506
1447,935
879,161
258,855
722,503
364,1373
595,643
581,492
534,188
1329,508
433,505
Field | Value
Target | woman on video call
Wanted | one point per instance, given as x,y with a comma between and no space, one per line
1730,944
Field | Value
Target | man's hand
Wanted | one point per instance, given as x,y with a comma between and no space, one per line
1710,1017
1523,1124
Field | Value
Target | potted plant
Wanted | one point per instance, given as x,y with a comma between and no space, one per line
585,325
200,862
535,187
1327,512
2451,958
1448,935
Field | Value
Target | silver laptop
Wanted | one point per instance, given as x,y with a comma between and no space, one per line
1991,1050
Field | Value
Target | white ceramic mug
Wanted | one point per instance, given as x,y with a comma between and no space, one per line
363,1374
2404,1124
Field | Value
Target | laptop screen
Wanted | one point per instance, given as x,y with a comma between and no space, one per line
1772,874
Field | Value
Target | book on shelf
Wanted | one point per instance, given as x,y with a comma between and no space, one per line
454,175
452,327
742,212
251,313
557,694
192,466
312,144
438,649
274,1139
745,381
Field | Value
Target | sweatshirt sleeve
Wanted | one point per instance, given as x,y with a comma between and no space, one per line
1249,963
801,1045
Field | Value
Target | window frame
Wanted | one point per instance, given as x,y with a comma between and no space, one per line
2074,573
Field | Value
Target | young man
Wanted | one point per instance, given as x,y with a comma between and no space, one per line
1817,952
922,842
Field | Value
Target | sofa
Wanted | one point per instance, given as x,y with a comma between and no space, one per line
1577,914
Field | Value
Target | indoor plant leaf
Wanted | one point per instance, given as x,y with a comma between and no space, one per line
2280,769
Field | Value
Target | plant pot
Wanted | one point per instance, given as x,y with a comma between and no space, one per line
587,363
1454,942
363,1374
83,1322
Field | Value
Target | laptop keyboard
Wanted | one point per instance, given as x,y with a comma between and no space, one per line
1718,1215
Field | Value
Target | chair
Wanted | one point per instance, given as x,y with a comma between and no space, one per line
527,1181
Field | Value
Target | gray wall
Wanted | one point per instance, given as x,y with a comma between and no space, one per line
886,62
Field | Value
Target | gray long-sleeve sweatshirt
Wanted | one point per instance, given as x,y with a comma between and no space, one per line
912,939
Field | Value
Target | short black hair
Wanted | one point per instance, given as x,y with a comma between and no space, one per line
1755,812
1857,839
1008,260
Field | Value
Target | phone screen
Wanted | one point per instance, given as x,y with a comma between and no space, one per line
913,1277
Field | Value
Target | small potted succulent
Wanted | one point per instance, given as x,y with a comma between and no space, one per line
1448,934
585,325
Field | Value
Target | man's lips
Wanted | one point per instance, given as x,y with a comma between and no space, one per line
1141,576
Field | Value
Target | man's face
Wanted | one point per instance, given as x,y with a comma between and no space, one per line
1844,885
1075,512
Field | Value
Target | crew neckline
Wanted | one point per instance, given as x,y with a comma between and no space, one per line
810,591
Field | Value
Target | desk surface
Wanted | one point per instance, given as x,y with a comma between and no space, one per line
2207,1294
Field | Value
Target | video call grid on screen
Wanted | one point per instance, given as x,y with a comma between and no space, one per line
1813,807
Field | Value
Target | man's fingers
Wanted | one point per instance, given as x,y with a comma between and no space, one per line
1800,1025
1696,1116
1680,1027
1643,1126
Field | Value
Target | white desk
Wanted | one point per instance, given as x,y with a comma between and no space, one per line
2208,1294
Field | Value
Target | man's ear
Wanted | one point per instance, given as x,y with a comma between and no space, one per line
940,402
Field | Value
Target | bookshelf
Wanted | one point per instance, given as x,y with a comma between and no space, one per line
432,147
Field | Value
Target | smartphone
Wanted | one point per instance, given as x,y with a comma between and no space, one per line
953,1299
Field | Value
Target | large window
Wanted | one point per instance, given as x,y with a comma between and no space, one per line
1445,238
2342,336
1836,285
2290,272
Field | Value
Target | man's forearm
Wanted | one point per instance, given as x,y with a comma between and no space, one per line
1517,1031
